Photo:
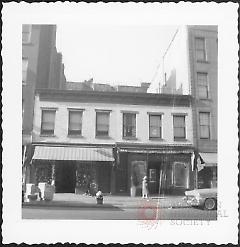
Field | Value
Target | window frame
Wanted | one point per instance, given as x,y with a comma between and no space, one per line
204,49
42,131
73,132
206,86
123,125
176,138
209,125
24,70
27,32
108,124
149,119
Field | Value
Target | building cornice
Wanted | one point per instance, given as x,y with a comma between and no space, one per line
114,97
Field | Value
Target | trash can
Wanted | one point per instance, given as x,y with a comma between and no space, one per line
99,200
47,191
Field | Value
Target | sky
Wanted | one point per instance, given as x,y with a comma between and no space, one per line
115,55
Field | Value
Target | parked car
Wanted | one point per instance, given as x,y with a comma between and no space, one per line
205,198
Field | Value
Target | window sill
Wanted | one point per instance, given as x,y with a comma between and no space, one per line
202,61
156,139
207,99
28,43
74,136
180,139
103,137
130,138
47,135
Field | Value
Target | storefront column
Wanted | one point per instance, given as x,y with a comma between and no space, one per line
196,178
113,179
53,172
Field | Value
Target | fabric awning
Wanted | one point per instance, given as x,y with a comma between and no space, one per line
73,153
210,159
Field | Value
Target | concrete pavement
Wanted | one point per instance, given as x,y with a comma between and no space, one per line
109,201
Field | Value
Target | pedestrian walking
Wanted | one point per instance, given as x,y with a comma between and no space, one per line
144,188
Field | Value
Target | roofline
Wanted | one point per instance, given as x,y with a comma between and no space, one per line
114,97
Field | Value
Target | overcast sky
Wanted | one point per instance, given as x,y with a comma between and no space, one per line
113,54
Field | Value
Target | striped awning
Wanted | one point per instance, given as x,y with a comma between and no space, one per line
210,159
73,153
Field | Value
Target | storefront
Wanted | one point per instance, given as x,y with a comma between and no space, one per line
207,177
169,170
74,169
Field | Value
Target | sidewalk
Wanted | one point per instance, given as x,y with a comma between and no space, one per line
109,201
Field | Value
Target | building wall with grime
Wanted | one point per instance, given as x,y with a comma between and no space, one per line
115,123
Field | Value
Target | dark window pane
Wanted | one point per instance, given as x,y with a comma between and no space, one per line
129,125
75,123
102,124
155,126
48,122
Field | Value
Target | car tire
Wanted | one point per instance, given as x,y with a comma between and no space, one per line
210,204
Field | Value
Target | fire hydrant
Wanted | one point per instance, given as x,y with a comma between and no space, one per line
99,197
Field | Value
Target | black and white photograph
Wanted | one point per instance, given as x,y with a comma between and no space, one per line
122,123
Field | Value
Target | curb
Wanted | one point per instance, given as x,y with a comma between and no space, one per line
109,206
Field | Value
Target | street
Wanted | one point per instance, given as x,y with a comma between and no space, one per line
117,213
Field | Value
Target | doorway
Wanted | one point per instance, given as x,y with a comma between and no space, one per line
104,177
154,169
65,177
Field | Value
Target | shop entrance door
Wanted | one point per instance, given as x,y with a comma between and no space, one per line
104,178
154,169
65,173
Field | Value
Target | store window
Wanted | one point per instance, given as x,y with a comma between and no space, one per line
48,122
200,49
102,123
26,33
155,126
24,70
203,89
179,127
181,172
75,122
129,125
204,122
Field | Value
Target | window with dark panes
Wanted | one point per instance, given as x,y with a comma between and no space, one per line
24,70
129,125
75,123
102,123
48,122
26,33
204,123
202,81
179,127
155,126
200,49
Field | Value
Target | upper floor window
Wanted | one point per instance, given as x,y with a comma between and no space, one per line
22,109
204,123
102,123
129,125
179,127
200,49
26,33
75,122
202,82
48,121
24,70
155,126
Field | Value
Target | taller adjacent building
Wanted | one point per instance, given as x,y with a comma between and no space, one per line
190,66
203,68
42,67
